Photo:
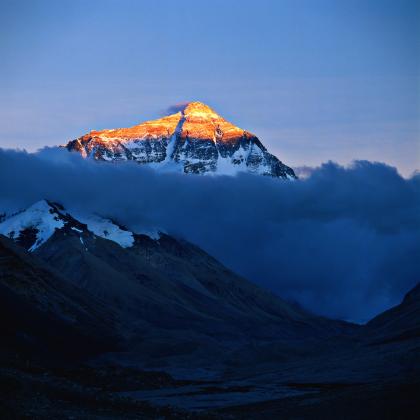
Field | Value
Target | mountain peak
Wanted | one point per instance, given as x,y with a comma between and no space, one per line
199,109
194,140
33,226
193,108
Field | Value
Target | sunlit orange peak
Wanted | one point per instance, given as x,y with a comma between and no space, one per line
199,109
196,120
195,138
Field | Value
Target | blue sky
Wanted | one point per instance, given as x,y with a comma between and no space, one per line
315,80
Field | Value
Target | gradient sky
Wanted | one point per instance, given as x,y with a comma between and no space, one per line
315,80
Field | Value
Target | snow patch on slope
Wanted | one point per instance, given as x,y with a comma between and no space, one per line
39,216
152,233
42,219
106,229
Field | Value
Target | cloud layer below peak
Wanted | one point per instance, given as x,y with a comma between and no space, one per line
343,242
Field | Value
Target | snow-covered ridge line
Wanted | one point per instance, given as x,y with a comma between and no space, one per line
106,229
35,225
37,220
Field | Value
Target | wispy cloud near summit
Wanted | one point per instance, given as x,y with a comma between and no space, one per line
174,108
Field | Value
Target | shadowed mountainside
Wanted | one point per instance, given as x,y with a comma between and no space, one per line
113,298
168,299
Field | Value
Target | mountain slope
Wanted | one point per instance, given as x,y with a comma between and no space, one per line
168,296
400,323
162,303
354,375
194,140
42,313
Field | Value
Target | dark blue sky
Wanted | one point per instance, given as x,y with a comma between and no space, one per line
315,80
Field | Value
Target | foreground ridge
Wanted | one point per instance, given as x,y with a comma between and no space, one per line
194,140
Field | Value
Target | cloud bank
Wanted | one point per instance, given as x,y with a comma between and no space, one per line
343,242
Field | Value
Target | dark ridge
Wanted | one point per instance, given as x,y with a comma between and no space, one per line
27,237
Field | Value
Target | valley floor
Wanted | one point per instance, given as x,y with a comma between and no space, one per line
335,401
30,390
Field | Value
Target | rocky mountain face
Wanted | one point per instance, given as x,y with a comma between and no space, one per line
195,140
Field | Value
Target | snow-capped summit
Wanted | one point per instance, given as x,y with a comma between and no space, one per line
194,140
32,227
